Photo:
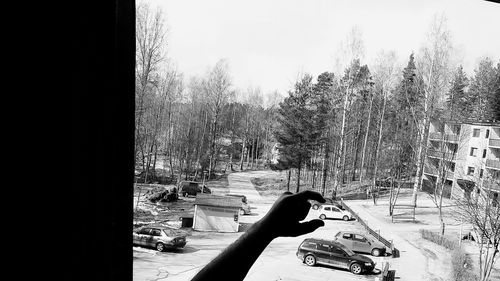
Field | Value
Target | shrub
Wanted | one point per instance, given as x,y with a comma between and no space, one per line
438,239
462,266
461,262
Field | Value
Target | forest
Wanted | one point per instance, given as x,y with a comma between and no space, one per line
356,127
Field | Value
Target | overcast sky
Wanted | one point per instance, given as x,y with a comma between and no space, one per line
269,42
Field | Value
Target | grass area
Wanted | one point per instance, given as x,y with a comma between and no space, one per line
461,262
269,186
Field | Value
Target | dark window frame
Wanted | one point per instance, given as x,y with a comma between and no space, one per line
470,171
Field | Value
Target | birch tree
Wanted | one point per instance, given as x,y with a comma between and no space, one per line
433,66
351,49
385,72
150,45
483,214
217,86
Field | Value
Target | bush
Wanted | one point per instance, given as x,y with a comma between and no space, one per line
461,262
438,239
462,266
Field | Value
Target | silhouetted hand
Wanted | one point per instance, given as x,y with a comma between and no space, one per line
285,215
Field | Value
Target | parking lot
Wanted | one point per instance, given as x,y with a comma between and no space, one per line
277,262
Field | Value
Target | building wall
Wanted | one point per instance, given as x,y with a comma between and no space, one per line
444,138
220,219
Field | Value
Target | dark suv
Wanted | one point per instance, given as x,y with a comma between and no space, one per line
192,188
314,251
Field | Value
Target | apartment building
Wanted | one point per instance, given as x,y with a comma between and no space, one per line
466,156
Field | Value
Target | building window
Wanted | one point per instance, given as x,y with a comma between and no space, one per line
481,173
475,133
470,171
487,133
484,153
473,151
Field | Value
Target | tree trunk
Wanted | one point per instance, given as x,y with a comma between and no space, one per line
232,143
365,142
298,177
379,141
243,151
341,145
326,154
420,158
288,180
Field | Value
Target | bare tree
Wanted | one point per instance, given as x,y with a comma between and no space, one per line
217,86
433,66
385,74
482,212
150,46
351,49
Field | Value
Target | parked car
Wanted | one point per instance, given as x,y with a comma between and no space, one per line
333,212
160,237
314,251
192,188
245,208
361,243
315,204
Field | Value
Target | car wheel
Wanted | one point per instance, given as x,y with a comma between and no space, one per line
242,212
160,247
376,252
346,218
322,217
356,268
315,206
184,194
310,260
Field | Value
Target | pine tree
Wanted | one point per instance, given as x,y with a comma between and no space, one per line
325,116
297,134
482,90
458,100
496,99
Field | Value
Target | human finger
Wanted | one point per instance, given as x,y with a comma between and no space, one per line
310,195
307,227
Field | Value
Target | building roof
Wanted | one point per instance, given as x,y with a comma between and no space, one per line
476,122
217,201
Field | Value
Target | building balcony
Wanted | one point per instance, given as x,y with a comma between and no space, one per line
435,136
451,137
495,143
493,164
432,170
440,154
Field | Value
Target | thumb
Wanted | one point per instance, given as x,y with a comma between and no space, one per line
307,227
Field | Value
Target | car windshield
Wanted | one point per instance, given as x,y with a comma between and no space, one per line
347,250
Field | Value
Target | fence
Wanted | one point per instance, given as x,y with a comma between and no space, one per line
376,234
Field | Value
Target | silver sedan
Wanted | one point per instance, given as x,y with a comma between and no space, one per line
159,237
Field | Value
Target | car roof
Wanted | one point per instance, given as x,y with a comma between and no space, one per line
159,226
353,232
319,240
329,205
